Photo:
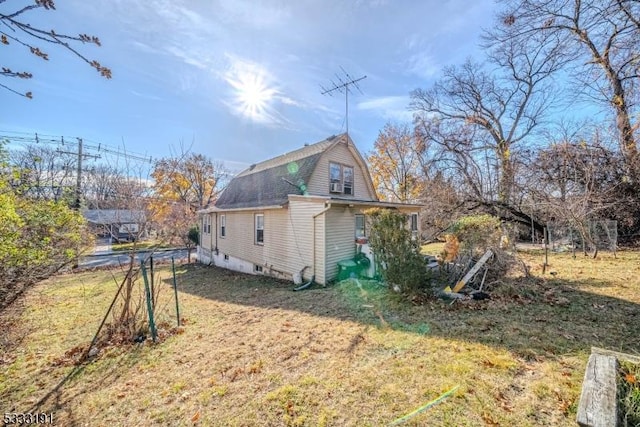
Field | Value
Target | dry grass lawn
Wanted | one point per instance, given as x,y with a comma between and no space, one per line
254,353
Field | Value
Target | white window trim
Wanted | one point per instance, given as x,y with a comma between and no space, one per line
341,181
414,233
364,225
255,229
223,226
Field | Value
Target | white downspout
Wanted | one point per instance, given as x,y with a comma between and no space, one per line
322,212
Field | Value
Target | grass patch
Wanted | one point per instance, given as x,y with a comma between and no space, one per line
629,394
254,353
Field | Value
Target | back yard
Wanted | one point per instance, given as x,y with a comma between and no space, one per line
252,352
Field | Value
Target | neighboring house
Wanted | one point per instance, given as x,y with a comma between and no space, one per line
296,214
122,225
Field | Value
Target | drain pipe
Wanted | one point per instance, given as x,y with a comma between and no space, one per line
322,212
305,285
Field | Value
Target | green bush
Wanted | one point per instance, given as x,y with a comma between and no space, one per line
194,235
37,239
477,233
396,251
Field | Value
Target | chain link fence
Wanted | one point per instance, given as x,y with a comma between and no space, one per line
599,234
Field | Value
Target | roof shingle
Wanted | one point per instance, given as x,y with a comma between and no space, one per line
269,182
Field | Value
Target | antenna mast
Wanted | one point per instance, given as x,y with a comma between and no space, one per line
343,87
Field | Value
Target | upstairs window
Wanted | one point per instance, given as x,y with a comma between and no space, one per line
335,178
340,179
223,225
347,173
259,221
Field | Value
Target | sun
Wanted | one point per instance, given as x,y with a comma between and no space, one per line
252,96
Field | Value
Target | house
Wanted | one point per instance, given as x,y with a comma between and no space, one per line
295,216
119,224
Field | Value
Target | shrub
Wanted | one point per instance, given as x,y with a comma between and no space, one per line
477,234
37,238
396,252
194,236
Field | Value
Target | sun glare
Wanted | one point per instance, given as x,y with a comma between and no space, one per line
252,96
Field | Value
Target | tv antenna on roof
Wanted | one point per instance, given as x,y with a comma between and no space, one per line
343,87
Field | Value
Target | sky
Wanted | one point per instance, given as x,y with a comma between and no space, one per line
237,80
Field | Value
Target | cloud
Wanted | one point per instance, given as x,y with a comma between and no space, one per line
422,64
252,14
146,96
389,107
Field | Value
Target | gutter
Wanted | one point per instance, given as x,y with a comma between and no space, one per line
322,212
250,208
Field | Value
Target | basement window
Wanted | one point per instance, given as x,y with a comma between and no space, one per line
258,269
226,258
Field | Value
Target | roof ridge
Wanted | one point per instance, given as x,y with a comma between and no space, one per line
307,150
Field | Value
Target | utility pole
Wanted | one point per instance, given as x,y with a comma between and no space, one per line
79,177
343,87
78,201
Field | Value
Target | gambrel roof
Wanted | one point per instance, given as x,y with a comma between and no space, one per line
269,183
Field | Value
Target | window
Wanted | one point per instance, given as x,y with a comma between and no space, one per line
226,258
206,227
335,178
348,180
340,179
414,224
223,225
259,220
360,226
257,268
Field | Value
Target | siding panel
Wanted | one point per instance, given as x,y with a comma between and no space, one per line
340,232
319,181
239,241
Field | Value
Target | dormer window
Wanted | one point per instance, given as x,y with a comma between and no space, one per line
347,186
340,179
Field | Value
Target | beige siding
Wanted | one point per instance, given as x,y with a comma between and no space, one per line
239,241
340,238
319,181
288,239
289,242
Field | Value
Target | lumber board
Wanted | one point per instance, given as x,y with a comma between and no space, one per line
598,401
473,271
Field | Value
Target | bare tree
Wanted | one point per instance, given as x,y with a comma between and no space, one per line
42,172
504,105
15,29
576,180
602,38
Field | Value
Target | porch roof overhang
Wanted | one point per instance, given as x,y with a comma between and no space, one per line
371,203
250,208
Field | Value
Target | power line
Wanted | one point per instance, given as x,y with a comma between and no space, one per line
36,138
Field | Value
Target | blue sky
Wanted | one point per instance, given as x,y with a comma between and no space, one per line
237,80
